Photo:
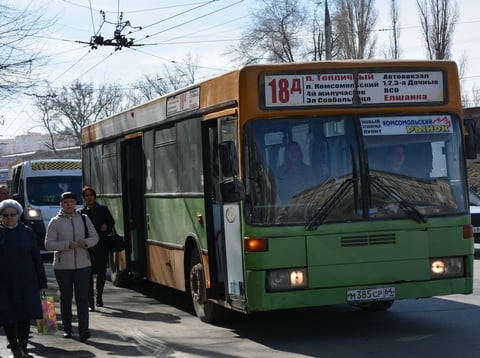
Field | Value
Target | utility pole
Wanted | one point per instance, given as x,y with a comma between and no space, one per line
328,34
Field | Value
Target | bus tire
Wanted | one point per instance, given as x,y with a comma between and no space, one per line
378,306
119,278
207,311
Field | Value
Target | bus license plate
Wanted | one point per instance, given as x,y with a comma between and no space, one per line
371,294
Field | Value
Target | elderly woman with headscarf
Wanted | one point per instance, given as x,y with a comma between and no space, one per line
22,277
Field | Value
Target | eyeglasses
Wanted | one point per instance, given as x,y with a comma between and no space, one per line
7,215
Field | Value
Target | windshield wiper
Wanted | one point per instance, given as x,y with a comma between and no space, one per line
321,214
319,217
406,206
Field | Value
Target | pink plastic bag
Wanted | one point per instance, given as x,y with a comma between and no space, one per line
48,324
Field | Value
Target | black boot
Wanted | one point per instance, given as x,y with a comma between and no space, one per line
18,352
100,284
91,301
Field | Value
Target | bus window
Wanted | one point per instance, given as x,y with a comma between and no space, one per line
47,190
279,185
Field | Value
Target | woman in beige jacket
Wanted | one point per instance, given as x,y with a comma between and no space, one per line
70,235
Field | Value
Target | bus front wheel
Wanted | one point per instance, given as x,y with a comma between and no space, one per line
206,310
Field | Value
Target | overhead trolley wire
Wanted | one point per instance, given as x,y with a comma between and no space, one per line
174,16
191,20
73,65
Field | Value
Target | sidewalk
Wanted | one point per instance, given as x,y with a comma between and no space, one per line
107,338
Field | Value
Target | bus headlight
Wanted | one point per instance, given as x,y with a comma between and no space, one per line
444,267
32,213
287,279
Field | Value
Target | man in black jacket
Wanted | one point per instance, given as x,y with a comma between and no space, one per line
103,221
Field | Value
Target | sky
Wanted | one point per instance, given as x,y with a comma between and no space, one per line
167,31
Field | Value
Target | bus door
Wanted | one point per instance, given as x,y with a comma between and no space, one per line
223,218
133,179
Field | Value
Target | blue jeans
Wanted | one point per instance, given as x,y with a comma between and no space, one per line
68,280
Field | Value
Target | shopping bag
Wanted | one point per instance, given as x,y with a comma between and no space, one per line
48,324
116,243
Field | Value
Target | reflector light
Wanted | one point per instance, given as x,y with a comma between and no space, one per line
252,244
468,232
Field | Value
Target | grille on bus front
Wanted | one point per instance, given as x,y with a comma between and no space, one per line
368,240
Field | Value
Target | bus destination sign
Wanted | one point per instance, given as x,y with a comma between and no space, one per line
182,102
338,89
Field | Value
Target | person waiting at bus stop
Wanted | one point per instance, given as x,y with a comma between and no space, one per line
22,278
4,192
103,221
66,236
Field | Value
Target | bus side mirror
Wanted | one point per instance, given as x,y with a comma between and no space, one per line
232,189
228,158
471,139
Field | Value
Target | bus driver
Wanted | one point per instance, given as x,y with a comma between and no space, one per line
293,176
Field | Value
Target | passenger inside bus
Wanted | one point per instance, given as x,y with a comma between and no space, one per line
414,160
293,176
395,158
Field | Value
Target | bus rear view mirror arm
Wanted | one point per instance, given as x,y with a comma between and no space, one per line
232,190
228,158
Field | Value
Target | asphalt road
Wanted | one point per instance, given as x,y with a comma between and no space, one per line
153,321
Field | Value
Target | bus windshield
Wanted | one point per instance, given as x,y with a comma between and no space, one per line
312,170
47,190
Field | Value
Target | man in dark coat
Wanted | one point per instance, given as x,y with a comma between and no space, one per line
103,221
22,277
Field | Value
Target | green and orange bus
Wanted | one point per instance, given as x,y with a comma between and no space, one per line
197,184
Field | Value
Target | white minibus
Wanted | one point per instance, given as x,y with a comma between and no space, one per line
38,184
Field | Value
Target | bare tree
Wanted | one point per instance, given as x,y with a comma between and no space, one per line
318,31
438,18
19,53
171,78
354,22
472,98
475,99
187,70
66,111
43,103
148,88
394,51
462,65
276,33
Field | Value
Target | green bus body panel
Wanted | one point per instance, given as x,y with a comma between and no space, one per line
283,252
368,273
397,254
398,257
262,301
115,205
171,220
358,259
